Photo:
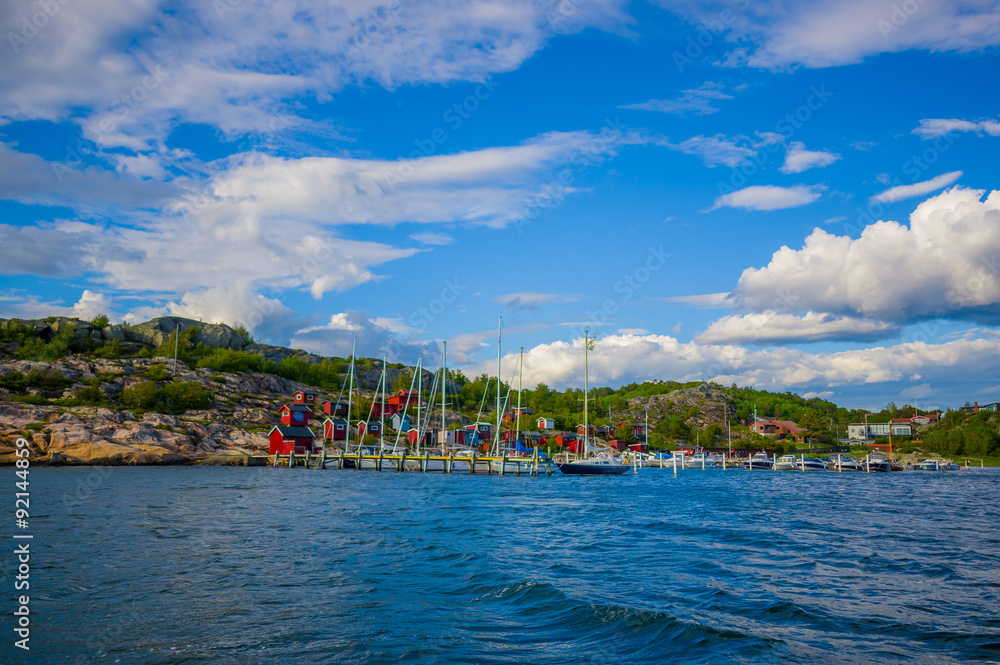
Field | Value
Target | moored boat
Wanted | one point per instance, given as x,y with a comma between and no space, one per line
842,463
786,463
603,463
759,461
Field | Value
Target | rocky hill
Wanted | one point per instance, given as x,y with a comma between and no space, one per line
242,409
698,406
153,334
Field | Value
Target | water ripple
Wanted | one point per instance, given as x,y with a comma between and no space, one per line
249,565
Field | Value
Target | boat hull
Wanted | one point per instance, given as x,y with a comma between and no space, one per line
585,469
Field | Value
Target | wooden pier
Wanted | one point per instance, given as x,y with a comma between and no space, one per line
426,463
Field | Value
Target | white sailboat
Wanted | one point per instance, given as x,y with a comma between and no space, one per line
461,464
518,463
602,463
373,462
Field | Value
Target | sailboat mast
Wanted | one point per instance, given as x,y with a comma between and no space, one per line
586,394
350,394
420,394
444,391
381,411
499,333
729,431
520,386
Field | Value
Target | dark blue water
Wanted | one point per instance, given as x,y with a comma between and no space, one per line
243,565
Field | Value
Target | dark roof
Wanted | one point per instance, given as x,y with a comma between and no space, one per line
307,392
339,421
294,432
296,407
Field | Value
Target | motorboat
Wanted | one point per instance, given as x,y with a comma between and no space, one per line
842,463
811,464
786,463
603,463
759,460
699,461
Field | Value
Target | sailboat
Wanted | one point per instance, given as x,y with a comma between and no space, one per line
603,463
458,465
518,463
372,463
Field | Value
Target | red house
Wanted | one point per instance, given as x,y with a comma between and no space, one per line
295,415
426,441
397,403
338,408
564,439
777,428
335,429
372,427
285,440
579,430
305,397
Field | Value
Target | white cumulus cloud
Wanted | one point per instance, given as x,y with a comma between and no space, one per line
945,264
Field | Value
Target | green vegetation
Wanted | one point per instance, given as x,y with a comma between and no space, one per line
171,398
960,433
100,321
18,383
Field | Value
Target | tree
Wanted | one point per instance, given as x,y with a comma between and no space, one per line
140,395
100,321
710,433
623,433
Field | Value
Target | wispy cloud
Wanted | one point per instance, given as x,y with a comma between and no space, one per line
805,33
716,150
916,189
768,328
532,300
934,128
705,301
431,238
769,197
798,159
698,101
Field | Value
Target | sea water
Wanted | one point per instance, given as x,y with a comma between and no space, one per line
177,565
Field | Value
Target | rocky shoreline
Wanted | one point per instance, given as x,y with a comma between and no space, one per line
243,411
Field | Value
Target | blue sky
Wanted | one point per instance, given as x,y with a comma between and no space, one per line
790,195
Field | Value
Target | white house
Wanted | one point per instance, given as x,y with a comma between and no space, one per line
546,423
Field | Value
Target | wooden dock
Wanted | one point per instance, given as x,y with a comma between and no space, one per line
426,463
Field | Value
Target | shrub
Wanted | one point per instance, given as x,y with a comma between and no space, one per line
140,395
184,395
112,349
157,372
100,321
